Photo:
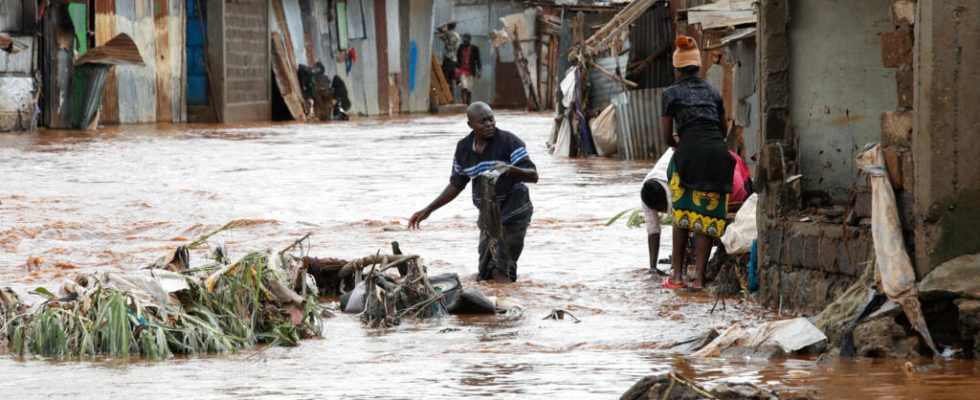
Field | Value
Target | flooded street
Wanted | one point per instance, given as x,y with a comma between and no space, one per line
120,198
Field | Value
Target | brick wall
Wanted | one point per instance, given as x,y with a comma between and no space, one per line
247,61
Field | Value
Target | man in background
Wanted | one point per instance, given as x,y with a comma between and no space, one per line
468,58
450,39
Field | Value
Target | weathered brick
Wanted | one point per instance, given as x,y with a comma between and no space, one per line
811,252
893,162
896,128
795,249
775,245
896,48
828,254
903,12
903,83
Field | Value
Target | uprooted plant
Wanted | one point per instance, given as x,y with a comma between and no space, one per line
263,297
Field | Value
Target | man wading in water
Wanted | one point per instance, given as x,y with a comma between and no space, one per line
487,148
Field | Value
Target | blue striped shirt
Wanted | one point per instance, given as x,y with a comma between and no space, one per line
515,201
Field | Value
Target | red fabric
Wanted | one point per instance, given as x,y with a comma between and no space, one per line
739,194
352,55
464,68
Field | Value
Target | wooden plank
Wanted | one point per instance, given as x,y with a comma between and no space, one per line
105,30
286,79
381,41
439,83
720,19
164,74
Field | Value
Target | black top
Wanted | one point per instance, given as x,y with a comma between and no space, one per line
690,100
505,147
475,64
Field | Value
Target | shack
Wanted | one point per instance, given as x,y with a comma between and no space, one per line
838,75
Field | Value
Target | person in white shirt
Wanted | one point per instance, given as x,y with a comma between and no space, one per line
656,199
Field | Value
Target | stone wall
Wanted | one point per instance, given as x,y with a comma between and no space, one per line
811,264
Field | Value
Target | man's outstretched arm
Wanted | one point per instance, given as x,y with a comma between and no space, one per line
447,195
529,175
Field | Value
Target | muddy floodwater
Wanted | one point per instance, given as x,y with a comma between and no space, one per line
119,198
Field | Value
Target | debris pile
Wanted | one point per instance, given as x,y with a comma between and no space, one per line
674,386
264,297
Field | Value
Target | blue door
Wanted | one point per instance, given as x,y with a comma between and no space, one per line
197,72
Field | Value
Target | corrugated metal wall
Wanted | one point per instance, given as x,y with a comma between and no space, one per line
132,92
16,81
651,32
363,78
638,128
137,90
417,16
604,88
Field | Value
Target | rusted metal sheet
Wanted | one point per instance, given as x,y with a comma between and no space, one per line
292,22
137,84
18,105
381,43
121,50
638,128
164,72
21,62
652,37
56,67
286,79
105,30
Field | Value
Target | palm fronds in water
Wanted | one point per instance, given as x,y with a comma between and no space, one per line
634,218
262,298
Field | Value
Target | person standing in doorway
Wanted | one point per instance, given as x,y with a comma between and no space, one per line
468,57
700,172
484,149
450,40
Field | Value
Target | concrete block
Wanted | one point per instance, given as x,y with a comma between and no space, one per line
904,80
811,252
795,249
908,173
903,12
774,238
896,48
829,254
896,128
893,162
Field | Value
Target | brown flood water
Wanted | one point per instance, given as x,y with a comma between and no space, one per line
119,198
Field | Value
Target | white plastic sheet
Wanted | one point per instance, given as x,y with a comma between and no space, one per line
894,271
739,235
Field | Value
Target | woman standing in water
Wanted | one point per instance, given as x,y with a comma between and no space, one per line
700,173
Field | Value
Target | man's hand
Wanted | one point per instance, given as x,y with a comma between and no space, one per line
418,217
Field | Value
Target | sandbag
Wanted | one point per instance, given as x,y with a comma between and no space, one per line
603,129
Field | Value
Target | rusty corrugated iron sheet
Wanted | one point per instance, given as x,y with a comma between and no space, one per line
151,90
653,36
105,30
121,50
638,128
137,84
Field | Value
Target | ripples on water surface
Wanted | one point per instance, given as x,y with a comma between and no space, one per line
119,198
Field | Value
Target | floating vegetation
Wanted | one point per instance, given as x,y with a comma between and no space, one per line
263,298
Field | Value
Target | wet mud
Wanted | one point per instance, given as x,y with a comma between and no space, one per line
119,198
